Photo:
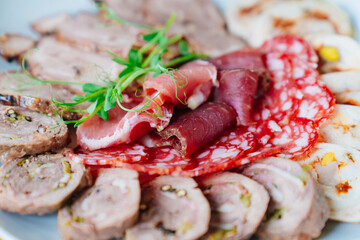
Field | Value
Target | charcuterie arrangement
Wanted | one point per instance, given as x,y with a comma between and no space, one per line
154,120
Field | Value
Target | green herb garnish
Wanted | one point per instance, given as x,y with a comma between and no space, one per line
146,62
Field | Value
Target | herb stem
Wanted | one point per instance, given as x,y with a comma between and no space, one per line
155,40
158,48
182,59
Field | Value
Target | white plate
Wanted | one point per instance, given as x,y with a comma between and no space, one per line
16,16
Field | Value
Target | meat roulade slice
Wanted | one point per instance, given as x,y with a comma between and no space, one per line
40,184
26,132
297,210
105,210
238,204
172,208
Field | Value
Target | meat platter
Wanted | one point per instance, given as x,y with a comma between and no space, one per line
33,227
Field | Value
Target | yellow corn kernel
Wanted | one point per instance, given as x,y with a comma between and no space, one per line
327,158
329,53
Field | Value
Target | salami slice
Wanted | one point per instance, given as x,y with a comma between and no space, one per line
292,46
124,153
222,154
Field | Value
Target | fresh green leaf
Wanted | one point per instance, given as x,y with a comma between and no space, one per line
126,71
134,57
150,36
118,59
92,107
77,98
110,100
103,114
91,88
184,48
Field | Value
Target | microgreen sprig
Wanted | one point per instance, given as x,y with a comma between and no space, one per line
146,61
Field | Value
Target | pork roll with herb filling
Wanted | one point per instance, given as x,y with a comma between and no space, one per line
17,90
26,132
297,210
40,184
59,62
105,210
337,169
171,208
238,204
195,129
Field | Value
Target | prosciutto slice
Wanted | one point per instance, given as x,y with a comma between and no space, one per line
122,126
208,121
238,88
244,58
190,84
193,82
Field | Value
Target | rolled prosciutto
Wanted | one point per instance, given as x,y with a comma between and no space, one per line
197,128
238,204
244,58
238,89
171,208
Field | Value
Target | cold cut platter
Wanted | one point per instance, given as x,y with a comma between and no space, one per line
151,119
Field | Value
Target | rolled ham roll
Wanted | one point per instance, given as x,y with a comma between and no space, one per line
171,208
297,210
238,204
105,210
208,121
238,89
40,184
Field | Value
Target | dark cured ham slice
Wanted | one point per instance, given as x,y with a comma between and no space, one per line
208,121
182,86
245,58
122,126
234,82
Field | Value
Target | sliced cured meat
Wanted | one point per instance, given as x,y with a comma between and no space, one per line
162,160
246,58
86,32
57,61
344,81
344,85
238,204
296,138
336,169
213,42
40,184
159,11
172,208
238,89
17,90
225,153
209,121
108,156
128,10
337,53
297,208
180,86
105,210
23,132
291,46
123,126
48,25
343,126
257,21
13,45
